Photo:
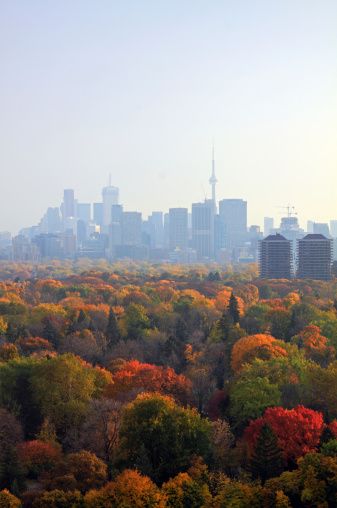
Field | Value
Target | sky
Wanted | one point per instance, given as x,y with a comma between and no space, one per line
141,89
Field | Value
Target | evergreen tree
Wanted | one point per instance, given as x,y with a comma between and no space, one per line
49,331
224,326
181,332
112,331
267,461
233,309
81,316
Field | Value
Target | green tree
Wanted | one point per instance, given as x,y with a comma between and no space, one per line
63,388
266,461
159,437
136,321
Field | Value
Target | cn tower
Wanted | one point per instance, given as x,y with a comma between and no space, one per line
213,181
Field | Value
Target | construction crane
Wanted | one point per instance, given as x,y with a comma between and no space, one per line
291,211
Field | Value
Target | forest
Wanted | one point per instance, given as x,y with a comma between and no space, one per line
136,385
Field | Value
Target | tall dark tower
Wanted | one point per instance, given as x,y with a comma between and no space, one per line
213,181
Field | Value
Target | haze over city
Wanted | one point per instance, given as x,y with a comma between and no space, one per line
142,89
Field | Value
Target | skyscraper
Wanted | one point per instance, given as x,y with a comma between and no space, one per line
268,225
84,211
203,229
333,228
275,257
314,257
68,205
131,228
178,228
110,197
98,213
233,214
321,228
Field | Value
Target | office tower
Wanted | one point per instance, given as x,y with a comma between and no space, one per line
213,181
219,235
314,257
68,205
310,226
83,211
333,228
51,221
115,228
321,228
166,230
98,213
268,225
178,228
156,229
131,228
110,197
203,229
233,213
275,257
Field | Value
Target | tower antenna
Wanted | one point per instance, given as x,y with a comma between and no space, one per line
213,180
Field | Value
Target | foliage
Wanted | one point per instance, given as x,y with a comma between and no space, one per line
297,430
129,490
160,437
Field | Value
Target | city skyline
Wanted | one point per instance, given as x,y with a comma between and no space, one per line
141,90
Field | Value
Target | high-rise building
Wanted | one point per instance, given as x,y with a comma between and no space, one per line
131,228
203,229
275,257
268,226
321,228
110,197
98,214
68,205
314,257
310,226
233,213
84,211
178,228
156,229
333,228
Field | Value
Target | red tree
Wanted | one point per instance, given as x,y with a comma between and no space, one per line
135,377
298,430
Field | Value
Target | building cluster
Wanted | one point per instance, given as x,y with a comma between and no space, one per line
208,231
313,257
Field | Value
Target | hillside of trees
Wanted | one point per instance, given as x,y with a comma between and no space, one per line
132,385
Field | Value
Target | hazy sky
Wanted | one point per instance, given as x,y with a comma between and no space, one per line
140,88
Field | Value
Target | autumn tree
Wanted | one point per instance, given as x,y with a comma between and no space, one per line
182,491
315,345
255,346
59,499
100,431
37,456
159,437
88,470
129,490
7,500
297,430
134,377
